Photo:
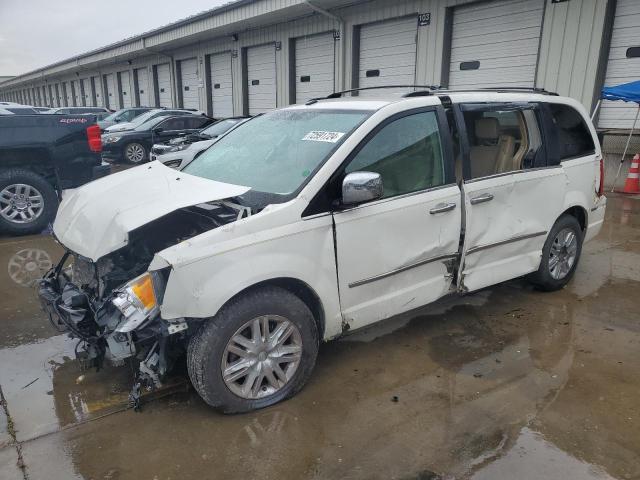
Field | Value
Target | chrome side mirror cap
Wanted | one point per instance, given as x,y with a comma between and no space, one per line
359,187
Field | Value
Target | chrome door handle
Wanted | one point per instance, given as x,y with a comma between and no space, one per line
485,197
442,207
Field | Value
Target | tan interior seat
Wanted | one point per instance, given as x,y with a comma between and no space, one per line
494,152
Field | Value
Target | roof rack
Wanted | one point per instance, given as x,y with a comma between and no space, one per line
539,90
420,93
433,90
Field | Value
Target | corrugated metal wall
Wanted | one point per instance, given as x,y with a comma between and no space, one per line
569,53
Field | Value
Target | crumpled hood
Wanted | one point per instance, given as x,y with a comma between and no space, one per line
96,219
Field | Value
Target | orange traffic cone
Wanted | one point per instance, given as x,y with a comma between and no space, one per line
632,185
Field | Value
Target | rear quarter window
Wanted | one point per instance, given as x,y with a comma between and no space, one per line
574,137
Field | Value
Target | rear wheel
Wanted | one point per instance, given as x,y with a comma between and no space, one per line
258,350
560,255
28,202
135,153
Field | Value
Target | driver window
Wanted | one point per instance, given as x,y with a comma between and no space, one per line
407,153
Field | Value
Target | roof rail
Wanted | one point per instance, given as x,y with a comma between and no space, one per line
539,90
353,90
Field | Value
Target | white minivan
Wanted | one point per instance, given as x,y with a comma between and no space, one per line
317,219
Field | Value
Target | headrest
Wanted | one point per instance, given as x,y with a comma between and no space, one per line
487,128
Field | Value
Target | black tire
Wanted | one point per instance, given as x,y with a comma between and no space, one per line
49,198
206,347
543,278
143,159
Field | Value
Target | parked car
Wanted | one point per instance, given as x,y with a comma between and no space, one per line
145,117
312,221
180,151
133,146
17,110
78,110
40,155
121,116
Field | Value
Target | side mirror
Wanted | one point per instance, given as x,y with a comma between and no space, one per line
359,187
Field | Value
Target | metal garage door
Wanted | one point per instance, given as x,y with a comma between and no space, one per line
221,85
623,65
125,90
142,84
58,98
388,54
164,85
261,78
96,85
68,94
112,98
315,62
495,44
189,83
85,92
75,92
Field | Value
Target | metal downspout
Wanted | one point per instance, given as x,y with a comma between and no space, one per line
343,41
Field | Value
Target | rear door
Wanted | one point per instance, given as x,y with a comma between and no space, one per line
513,193
397,253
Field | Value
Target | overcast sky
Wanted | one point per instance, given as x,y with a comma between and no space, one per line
35,33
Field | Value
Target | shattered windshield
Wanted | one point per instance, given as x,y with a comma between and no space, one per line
276,152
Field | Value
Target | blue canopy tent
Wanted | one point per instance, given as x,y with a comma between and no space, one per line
627,92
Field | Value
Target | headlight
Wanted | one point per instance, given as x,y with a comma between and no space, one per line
111,139
139,299
177,148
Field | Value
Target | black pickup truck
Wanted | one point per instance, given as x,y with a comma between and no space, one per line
41,155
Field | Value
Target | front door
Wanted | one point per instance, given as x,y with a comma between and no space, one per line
397,253
512,195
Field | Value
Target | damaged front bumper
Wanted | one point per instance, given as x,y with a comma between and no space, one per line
124,325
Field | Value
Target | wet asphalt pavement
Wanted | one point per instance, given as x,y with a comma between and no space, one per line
506,383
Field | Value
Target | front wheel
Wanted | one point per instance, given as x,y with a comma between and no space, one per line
135,153
258,350
560,255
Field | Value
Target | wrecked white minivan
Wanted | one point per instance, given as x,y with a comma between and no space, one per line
312,220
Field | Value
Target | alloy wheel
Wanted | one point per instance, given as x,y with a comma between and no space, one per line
261,357
21,203
563,253
134,153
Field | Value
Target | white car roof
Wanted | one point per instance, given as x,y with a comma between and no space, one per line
364,102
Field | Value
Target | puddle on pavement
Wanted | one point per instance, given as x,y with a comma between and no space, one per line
23,261
504,383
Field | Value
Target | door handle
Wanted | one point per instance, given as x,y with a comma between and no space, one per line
442,207
485,197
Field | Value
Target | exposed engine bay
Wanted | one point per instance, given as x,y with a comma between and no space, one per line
112,306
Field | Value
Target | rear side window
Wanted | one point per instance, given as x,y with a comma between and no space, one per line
574,137
196,122
502,139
